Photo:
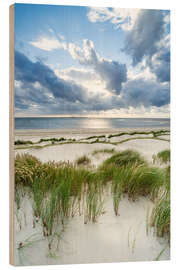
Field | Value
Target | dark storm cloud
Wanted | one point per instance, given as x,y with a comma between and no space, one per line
147,31
111,72
26,95
145,92
28,72
161,66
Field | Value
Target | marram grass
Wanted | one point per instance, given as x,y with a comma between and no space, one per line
125,158
61,190
162,157
160,217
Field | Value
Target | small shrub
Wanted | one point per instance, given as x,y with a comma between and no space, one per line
19,142
84,160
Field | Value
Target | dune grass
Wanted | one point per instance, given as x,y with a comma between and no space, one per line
20,142
154,133
94,203
161,214
52,140
35,145
160,217
61,190
127,157
94,137
163,157
103,151
133,180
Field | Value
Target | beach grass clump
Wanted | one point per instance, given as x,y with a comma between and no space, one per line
20,142
38,197
84,160
143,181
117,191
163,157
155,133
125,158
132,176
95,137
27,169
94,204
103,151
160,217
52,140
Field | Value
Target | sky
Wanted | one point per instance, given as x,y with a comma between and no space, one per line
87,61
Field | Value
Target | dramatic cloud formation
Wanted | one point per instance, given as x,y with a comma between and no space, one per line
143,38
145,92
146,36
39,88
70,78
111,72
29,72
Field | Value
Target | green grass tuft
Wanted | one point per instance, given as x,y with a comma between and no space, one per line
103,151
163,157
125,158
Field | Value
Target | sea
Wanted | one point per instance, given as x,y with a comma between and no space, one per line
89,123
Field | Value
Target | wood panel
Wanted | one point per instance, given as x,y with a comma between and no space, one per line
11,134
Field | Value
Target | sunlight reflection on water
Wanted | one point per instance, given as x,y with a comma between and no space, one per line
96,123
88,122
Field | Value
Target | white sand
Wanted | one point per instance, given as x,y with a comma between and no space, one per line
70,152
111,239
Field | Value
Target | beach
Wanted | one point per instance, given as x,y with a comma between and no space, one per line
125,237
71,151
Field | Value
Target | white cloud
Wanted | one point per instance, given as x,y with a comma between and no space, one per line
49,44
112,73
121,18
142,71
85,77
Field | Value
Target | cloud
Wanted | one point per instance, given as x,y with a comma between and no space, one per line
160,65
78,74
145,35
49,44
29,72
111,72
39,90
120,18
145,92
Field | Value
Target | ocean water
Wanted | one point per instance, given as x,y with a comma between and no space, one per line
86,122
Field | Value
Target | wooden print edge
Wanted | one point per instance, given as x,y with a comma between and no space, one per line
11,134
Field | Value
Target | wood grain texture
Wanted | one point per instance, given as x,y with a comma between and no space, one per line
11,134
